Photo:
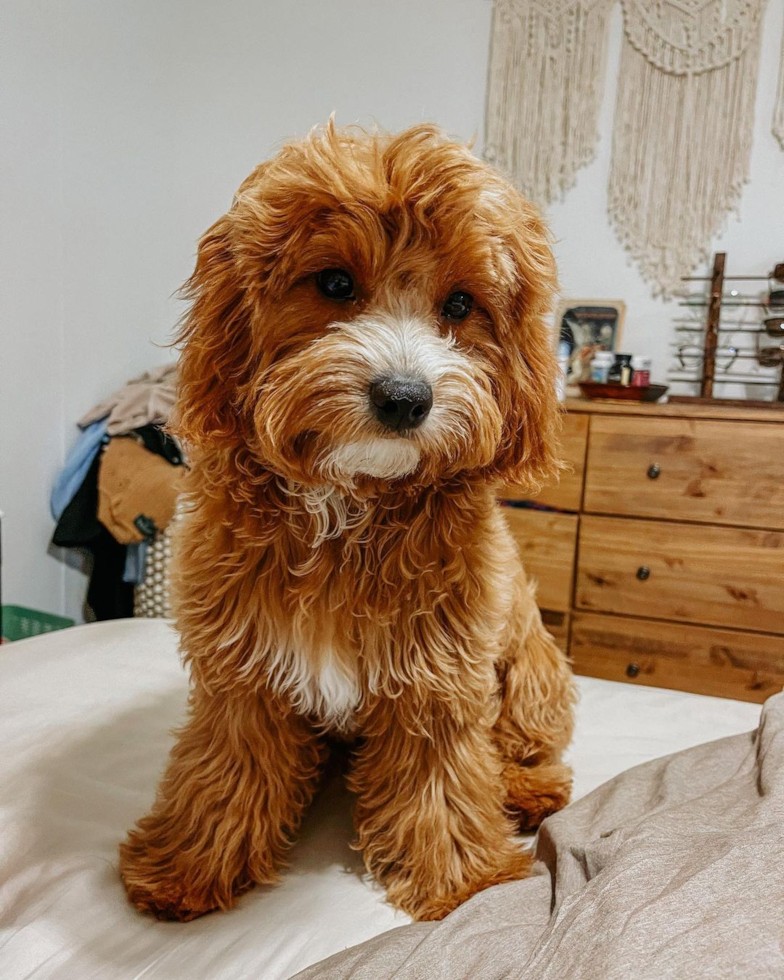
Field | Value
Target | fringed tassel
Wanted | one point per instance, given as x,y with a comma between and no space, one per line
680,158
778,109
546,73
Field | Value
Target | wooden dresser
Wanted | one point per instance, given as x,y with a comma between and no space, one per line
660,558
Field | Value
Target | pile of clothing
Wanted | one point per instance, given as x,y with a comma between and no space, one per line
117,493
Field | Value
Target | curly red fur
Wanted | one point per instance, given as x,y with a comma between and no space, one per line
335,576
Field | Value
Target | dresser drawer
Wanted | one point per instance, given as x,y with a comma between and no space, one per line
557,625
721,663
547,543
686,469
716,576
567,492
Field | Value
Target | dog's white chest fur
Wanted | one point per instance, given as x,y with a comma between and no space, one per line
320,685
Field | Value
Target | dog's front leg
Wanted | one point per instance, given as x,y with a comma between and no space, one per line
430,815
240,775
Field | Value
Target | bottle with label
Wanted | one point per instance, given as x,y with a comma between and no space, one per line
601,363
564,352
641,371
621,370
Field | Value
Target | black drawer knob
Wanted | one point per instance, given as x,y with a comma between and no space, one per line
643,573
653,471
632,670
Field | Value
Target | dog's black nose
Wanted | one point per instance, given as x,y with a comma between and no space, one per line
401,403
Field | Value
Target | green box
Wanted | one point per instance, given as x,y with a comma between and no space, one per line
19,622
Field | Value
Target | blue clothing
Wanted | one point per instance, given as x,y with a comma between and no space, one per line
135,563
77,464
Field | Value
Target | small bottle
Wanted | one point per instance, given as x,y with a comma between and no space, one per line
564,350
600,366
641,371
621,370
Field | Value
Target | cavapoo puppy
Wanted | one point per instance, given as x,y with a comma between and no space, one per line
364,364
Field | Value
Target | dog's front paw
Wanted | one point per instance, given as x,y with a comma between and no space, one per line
167,901
425,905
163,887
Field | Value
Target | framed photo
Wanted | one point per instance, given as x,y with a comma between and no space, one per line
588,325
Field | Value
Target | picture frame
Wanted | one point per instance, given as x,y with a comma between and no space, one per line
588,325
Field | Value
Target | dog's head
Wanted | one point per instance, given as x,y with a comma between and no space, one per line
370,311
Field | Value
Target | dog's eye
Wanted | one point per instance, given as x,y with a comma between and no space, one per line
335,284
458,305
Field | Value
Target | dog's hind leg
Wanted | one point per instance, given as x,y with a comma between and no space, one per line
535,722
239,777
535,791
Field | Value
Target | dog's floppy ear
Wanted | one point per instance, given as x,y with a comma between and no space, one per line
527,385
216,342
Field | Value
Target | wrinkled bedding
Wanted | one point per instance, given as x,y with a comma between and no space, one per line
673,869
85,726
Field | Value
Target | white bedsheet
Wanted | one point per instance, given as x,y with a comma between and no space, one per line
85,716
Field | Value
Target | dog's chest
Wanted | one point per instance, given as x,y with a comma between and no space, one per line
320,685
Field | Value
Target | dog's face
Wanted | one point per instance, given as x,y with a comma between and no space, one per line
368,313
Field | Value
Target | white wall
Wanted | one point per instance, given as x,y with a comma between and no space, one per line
31,357
128,125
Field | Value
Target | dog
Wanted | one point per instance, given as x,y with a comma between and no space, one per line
365,362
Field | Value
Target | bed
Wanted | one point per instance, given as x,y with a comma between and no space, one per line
85,729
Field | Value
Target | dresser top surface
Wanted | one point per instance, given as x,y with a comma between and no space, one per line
687,410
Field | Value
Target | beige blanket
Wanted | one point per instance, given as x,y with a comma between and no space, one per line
672,869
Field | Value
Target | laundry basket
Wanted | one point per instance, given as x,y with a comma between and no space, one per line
151,598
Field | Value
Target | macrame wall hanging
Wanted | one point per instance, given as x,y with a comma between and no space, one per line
547,61
778,111
683,128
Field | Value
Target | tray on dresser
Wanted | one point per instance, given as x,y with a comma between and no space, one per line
617,392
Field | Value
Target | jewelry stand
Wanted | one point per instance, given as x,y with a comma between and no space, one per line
714,304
